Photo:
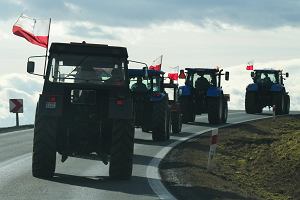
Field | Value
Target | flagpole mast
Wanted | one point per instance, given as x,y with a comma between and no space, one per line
47,47
161,62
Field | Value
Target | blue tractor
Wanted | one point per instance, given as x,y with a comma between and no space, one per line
151,110
267,89
202,93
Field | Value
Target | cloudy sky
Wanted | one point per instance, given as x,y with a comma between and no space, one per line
189,33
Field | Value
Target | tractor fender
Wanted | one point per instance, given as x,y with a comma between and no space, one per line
120,107
277,88
252,87
157,97
185,90
214,92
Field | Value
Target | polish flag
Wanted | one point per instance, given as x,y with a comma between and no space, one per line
173,75
156,64
35,31
250,65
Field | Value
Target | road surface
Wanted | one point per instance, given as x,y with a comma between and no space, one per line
88,179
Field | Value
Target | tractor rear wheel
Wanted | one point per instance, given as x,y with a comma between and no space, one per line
188,113
251,103
121,154
287,104
160,121
176,122
215,110
278,101
225,111
44,147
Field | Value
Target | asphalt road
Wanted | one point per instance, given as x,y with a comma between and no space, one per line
88,179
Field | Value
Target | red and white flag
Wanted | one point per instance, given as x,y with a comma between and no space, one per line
156,64
173,75
35,31
250,65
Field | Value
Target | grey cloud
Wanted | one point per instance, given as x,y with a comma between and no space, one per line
95,32
257,14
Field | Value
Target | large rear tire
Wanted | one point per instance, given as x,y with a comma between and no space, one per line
225,112
251,103
160,121
278,101
121,154
215,110
188,113
44,147
176,122
287,104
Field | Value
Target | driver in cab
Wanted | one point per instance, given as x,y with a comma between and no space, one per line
139,86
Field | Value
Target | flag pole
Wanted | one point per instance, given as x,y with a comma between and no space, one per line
47,47
161,62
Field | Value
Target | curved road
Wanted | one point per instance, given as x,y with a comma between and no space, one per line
88,179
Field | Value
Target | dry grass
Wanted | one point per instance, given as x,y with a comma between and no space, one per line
257,160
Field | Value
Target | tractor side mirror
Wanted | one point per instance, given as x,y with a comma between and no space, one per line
182,74
226,76
287,74
30,67
252,74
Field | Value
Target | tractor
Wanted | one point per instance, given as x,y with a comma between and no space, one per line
85,109
202,93
151,111
267,89
172,89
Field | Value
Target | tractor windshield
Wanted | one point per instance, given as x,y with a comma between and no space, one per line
67,68
139,84
267,77
203,80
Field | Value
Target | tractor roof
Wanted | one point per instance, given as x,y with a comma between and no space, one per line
267,70
88,49
141,72
209,70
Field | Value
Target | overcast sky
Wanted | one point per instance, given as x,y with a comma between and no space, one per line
189,33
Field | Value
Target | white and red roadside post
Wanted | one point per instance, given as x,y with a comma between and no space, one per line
16,106
213,146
